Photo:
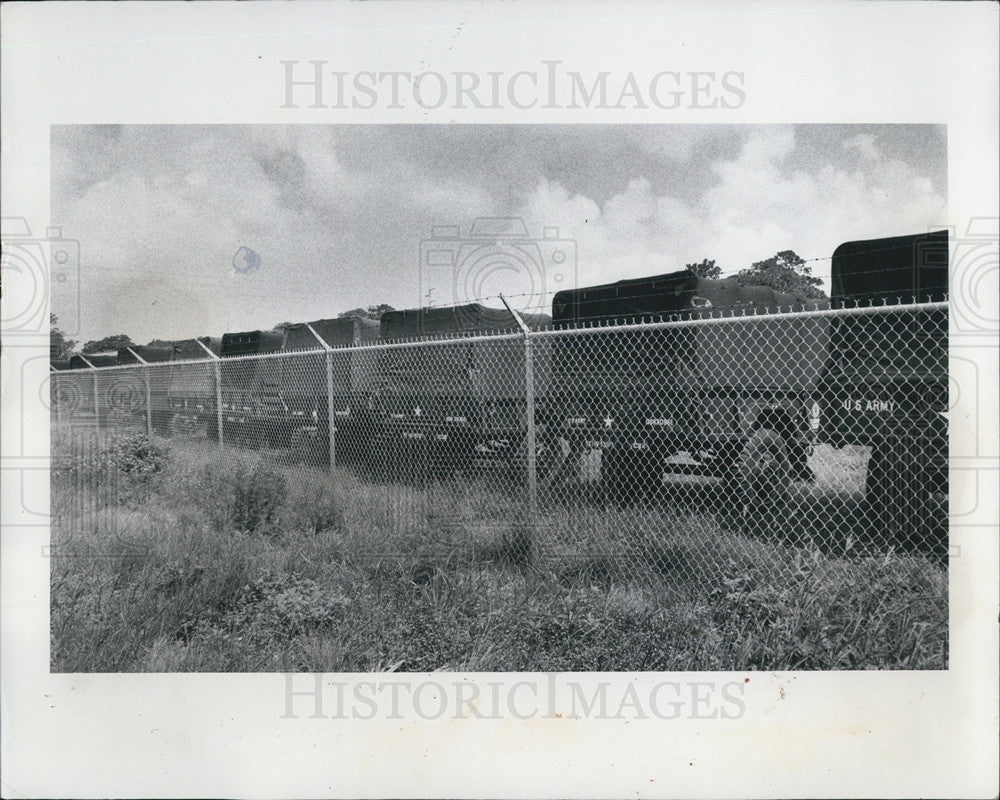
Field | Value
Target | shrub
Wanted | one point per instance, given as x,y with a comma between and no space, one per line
136,455
514,546
314,503
236,493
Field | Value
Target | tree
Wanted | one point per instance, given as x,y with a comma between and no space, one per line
372,312
59,345
108,343
706,269
783,272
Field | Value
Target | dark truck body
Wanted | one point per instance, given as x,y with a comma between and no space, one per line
252,404
647,395
72,391
892,399
96,359
463,399
353,381
191,390
89,382
133,402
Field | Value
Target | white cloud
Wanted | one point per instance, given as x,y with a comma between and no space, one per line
337,215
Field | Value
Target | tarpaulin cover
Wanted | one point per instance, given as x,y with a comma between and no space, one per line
97,359
246,381
148,354
895,269
484,370
354,371
728,355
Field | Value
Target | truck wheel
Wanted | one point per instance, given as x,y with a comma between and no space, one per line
552,456
759,486
631,474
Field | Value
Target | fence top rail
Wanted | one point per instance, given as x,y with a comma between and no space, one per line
722,319
581,330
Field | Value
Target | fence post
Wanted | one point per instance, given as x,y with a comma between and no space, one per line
218,389
529,412
218,402
529,391
149,395
55,379
331,429
93,372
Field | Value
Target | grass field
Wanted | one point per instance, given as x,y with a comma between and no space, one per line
174,556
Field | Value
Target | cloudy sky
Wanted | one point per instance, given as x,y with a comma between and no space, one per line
342,216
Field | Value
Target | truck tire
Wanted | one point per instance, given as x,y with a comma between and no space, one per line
758,490
631,475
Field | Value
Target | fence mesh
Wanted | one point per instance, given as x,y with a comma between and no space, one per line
695,453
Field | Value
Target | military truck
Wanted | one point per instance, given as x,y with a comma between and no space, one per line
885,385
680,397
253,410
447,404
311,392
191,387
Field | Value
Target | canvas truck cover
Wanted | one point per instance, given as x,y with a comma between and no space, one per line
478,368
190,350
895,270
738,354
97,359
786,353
625,300
354,371
150,355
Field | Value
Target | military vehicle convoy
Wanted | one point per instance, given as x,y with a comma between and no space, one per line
445,388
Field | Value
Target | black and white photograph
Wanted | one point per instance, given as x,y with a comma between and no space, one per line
501,398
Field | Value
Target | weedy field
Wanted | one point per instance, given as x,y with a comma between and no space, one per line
175,556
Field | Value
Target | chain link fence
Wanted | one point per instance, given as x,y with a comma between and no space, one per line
680,450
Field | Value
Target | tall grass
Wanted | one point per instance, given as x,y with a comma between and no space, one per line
204,560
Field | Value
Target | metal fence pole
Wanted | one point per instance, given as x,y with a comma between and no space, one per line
218,400
55,381
149,403
331,429
218,389
529,412
529,402
149,394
